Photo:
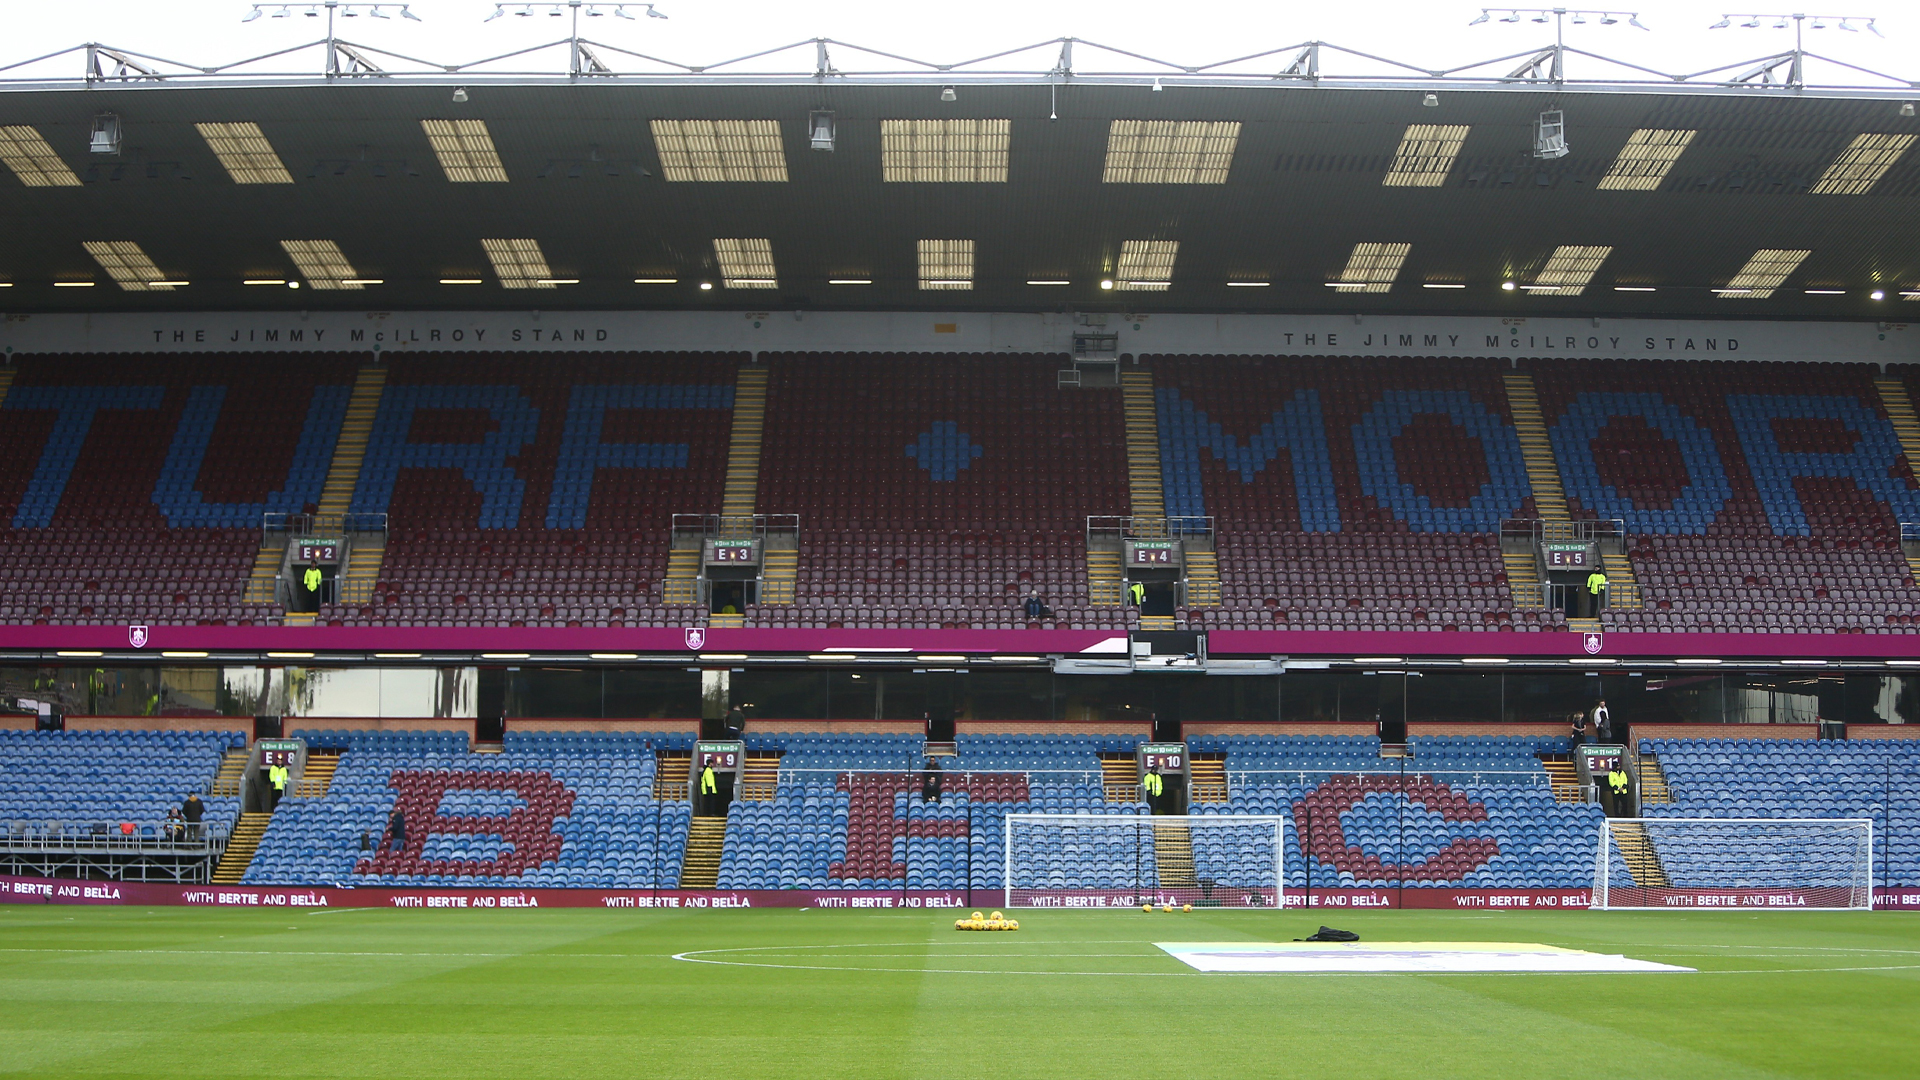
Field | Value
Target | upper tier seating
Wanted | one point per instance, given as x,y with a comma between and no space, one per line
540,494
1757,496
81,780
1878,779
132,487
1347,494
935,491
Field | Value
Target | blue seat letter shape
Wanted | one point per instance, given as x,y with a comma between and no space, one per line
1498,498
1698,503
1295,427
582,454
76,406
1869,464
174,493
483,463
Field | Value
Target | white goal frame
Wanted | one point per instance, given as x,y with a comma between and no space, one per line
1199,895
1612,896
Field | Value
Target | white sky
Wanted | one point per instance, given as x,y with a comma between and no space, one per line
1430,33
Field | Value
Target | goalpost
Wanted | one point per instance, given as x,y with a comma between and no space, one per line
1748,863
1116,860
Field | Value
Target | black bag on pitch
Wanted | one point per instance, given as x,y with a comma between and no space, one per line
1328,933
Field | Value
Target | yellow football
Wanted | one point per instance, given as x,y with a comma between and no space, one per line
1146,907
976,916
1166,907
995,917
1013,924
1186,907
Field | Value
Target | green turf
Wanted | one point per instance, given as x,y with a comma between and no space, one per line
178,992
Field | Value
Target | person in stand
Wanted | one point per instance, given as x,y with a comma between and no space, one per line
736,722
709,784
1152,785
930,781
1036,607
176,825
1579,733
278,776
1602,724
193,811
1137,594
310,581
396,830
1617,781
1596,592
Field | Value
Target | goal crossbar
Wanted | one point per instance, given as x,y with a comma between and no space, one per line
1126,860
1777,864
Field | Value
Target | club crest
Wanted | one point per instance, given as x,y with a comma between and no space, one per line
1591,642
137,636
696,637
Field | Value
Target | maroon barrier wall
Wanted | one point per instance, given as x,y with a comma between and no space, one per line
24,890
1101,642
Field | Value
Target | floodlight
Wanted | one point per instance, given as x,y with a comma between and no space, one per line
1725,21
497,12
947,94
1877,294
252,15
1431,101
1540,17
1483,18
1512,17
1608,20
1752,24
820,129
1508,286
460,94
1906,108
1634,21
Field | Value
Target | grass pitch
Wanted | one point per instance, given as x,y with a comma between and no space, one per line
179,992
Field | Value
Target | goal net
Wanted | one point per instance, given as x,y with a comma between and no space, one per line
1780,863
1113,860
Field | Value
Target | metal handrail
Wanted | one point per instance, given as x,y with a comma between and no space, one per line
26,836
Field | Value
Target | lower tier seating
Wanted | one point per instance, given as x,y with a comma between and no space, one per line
81,781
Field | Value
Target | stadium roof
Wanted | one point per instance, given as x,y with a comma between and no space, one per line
1282,197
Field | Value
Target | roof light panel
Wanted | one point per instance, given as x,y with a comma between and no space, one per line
1426,155
1861,164
944,151
127,265
32,159
1170,151
1145,265
1372,268
1570,268
746,263
519,264
1766,271
946,264
1646,159
720,151
245,153
322,264
466,152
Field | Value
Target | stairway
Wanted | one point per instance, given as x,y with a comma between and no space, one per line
1564,776
1143,445
1120,777
743,447
1173,855
1653,779
682,585
1203,579
266,570
1906,425
670,775
779,571
318,776
1158,622
364,559
1643,862
1523,579
1207,778
343,475
761,778
1543,472
240,848
706,838
233,766
1105,585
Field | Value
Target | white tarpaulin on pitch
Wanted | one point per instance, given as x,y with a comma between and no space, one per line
1318,957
